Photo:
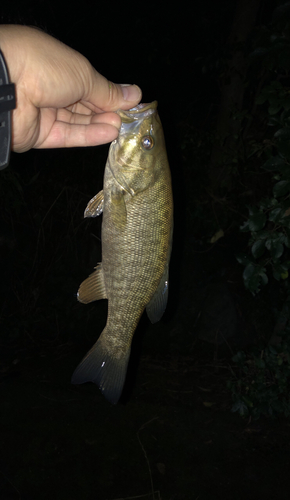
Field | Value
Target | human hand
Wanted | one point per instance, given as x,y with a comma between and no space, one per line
61,100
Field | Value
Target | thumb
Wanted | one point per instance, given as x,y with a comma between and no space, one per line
109,96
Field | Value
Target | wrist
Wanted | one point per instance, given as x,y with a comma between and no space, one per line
12,46
7,103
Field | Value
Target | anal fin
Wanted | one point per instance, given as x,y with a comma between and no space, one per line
93,288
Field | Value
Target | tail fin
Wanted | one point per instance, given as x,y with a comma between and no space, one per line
104,369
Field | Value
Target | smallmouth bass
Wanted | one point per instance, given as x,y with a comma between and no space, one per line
137,206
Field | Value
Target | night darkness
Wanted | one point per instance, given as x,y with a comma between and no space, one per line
173,435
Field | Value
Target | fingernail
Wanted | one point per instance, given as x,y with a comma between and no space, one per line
131,92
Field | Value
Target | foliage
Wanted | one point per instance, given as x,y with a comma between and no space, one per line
269,221
261,381
265,106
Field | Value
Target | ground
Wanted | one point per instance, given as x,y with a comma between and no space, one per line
173,438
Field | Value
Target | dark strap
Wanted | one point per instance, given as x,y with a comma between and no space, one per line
7,103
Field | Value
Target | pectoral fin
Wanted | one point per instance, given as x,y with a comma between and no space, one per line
118,208
93,288
157,305
95,205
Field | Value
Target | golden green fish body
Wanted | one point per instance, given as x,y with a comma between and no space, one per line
137,207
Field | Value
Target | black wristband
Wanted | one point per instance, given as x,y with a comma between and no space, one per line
7,103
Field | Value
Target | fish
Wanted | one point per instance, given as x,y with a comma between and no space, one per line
137,206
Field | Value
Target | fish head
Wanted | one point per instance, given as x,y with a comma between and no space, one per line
138,146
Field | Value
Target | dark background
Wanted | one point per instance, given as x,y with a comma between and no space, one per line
173,435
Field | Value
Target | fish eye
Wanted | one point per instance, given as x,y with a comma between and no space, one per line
147,142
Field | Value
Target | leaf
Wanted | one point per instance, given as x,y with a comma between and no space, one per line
284,148
286,239
276,274
260,363
249,271
285,222
273,121
274,163
241,407
257,221
219,234
240,357
264,278
264,234
253,210
258,248
253,276
281,188
258,52
204,389
275,214
283,134
285,97
285,266
275,248
281,11
274,108
245,227
282,137
243,259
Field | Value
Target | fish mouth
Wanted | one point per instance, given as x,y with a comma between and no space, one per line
139,112
131,121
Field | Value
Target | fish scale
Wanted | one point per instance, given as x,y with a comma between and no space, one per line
137,225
